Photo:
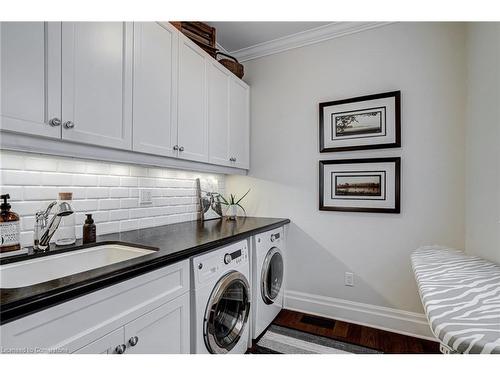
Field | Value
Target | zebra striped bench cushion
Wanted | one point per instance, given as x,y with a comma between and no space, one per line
461,297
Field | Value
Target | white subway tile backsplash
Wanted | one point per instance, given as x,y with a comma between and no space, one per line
129,203
109,181
129,181
97,168
129,225
147,182
109,191
85,205
56,179
15,192
40,193
71,166
109,204
138,171
85,180
97,192
11,161
11,177
40,164
119,170
118,193
117,215
106,228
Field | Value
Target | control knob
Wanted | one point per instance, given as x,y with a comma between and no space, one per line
228,258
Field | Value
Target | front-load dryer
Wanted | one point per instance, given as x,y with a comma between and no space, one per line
268,275
221,297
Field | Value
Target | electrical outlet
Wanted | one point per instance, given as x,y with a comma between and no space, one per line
146,197
349,279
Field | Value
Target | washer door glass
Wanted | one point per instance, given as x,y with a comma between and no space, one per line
272,275
227,313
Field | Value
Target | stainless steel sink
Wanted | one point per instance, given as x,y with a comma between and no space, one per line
39,270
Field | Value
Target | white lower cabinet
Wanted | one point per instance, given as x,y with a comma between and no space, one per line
107,344
146,314
163,330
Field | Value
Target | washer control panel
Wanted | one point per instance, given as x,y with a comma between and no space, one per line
220,261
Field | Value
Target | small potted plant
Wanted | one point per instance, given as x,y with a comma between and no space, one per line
232,205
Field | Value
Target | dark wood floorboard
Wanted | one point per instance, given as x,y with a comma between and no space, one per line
384,341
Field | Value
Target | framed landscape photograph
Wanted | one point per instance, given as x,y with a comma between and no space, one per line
360,185
365,122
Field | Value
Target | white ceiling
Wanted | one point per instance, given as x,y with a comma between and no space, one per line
234,36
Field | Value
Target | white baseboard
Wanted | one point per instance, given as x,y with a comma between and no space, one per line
385,318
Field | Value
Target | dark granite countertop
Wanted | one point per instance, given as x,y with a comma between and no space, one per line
174,242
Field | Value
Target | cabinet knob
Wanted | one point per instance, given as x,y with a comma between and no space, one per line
133,340
69,124
232,158
55,122
181,148
176,147
120,349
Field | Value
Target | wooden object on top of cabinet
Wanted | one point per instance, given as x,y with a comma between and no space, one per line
97,83
30,78
200,33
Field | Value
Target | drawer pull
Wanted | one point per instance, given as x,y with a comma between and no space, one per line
120,349
133,341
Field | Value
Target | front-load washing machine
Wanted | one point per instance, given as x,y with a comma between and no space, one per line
221,298
268,273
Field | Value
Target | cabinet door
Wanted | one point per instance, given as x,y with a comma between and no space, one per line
105,345
97,83
239,124
164,330
155,80
30,77
192,97
218,114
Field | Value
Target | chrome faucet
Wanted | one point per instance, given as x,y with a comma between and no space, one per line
44,231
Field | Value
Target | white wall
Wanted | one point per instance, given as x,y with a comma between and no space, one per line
110,191
426,61
483,141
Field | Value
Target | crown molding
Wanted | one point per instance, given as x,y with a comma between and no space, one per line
304,38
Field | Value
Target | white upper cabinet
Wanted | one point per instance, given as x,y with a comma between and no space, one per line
239,124
30,78
97,83
218,114
192,102
228,118
139,86
155,85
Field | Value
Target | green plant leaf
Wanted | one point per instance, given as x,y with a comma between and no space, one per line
239,200
240,206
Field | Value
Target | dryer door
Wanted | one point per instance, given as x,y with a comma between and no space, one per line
272,275
227,313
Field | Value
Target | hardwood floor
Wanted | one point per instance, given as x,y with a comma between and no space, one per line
387,342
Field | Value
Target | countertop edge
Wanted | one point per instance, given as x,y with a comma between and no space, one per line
18,309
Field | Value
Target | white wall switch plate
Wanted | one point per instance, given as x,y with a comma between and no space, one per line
146,197
349,279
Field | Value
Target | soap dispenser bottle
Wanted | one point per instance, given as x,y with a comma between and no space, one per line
89,230
9,227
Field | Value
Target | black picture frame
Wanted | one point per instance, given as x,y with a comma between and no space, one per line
397,185
360,99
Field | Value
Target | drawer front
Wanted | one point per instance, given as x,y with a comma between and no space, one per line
76,323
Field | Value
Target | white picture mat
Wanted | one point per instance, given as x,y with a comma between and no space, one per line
357,140
390,200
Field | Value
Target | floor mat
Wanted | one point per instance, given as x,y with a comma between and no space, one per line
284,340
